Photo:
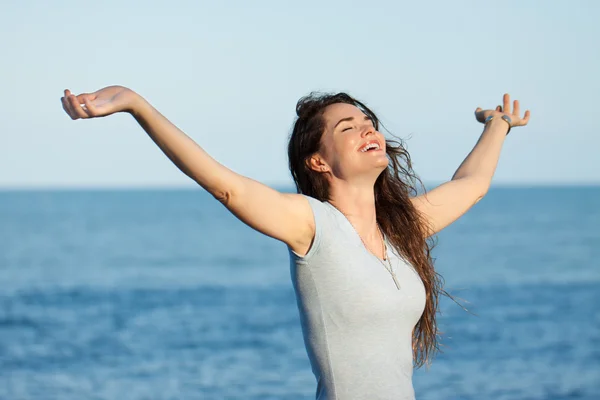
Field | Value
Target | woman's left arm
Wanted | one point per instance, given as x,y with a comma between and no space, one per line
446,203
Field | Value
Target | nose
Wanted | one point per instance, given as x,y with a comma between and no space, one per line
368,130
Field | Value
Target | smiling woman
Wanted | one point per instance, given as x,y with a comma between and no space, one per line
358,234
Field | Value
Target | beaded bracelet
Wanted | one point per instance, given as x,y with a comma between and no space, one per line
504,117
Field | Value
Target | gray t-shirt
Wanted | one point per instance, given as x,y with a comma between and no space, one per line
357,325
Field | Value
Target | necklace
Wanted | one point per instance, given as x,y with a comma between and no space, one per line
387,257
389,267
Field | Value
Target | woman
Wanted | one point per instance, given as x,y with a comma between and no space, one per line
357,232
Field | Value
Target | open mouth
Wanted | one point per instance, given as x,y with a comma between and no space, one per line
371,147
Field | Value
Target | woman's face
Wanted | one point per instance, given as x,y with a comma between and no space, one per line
347,132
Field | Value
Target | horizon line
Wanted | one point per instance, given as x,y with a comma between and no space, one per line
125,187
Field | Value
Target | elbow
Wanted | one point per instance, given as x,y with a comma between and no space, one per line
479,198
223,196
478,188
220,188
223,193
226,193
481,191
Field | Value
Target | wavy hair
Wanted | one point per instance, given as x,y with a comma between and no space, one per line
406,229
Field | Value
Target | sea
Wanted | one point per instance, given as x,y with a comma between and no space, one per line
163,294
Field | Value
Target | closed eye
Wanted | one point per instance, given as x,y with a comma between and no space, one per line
366,118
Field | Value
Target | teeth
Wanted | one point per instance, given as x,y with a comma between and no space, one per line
370,146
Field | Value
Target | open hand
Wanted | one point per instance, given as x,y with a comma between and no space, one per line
514,116
106,101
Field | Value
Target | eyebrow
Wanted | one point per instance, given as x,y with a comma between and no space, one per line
350,119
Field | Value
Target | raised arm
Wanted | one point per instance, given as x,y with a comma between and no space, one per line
284,216
446,203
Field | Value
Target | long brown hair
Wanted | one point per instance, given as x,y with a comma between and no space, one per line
405,228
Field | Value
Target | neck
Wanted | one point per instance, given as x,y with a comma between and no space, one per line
358,205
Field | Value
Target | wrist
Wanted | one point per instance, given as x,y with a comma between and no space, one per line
499,122
135,104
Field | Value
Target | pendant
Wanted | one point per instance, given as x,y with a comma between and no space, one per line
391,269
387,258
396,280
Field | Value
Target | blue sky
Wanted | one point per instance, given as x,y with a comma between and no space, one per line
229,74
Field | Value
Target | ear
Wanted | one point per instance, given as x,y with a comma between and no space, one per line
316,163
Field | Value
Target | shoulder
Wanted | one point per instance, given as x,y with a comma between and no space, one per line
315,214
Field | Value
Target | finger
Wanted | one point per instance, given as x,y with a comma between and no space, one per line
80,97
66,107
516,108
76,107
478,114
90,109
525,119
506,101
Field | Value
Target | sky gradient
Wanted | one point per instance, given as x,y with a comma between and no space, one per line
229,74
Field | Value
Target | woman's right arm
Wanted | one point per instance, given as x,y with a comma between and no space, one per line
284,216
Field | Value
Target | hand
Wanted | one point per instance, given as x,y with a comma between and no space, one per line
106,101
481,115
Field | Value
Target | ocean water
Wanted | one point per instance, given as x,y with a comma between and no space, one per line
149,294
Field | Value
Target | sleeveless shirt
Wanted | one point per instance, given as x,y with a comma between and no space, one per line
356,325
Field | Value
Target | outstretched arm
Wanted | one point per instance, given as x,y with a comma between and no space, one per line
446,203
283,216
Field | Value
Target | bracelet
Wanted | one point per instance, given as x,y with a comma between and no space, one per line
504,117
